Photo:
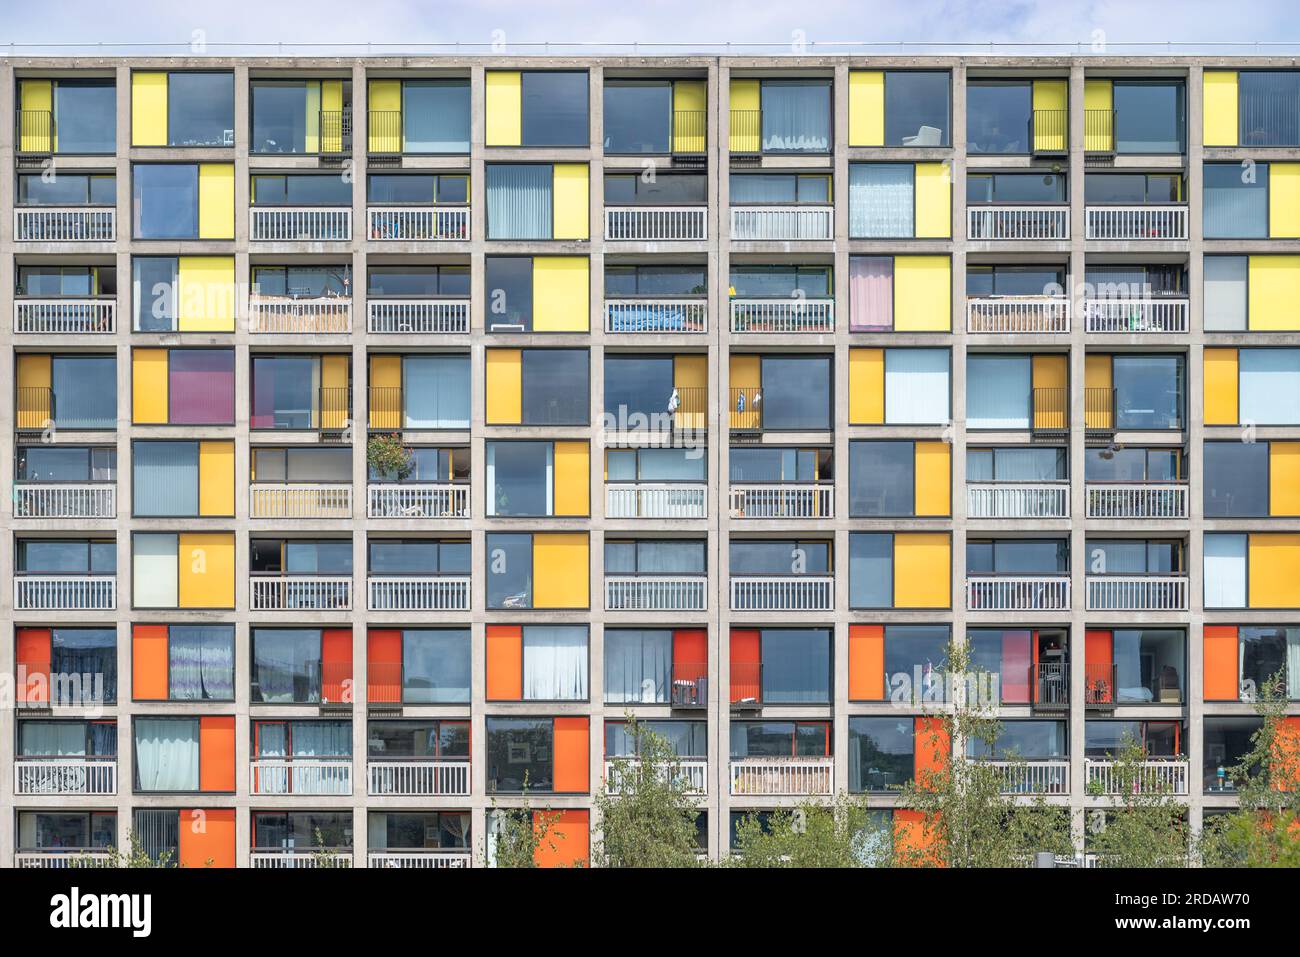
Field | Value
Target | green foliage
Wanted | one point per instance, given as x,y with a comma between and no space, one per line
1146,827
387,456
518,833
843,834
136,858
323,856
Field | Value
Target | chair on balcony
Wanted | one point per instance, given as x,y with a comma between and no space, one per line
925,136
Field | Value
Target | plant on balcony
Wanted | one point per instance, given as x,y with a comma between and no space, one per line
841,834
1146,826
388,457
323,856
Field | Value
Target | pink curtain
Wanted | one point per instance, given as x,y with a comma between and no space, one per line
871,293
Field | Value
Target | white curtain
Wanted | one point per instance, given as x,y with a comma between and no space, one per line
916,386
1270,386
1293,663
998,392
154,570
519,202
57,739
637,665
796,115
167,754
881,200
555,663
1225,571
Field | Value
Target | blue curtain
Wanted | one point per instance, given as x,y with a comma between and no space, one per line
436,116
1270,386
166,478
437,392
519,204
998,392
881,200
637,665
1234,208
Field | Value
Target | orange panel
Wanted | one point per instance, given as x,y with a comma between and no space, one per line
567,842
915,835
1221,682
1286,755
33,656
149,681
1098,657
690,654
572,756
207,837
866,662
217,753
746,664
932,748
336,664
384,666
505,663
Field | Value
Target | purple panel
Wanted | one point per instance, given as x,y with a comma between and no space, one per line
871,293
201,386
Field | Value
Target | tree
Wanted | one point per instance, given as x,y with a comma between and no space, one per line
323,856
387,457
841,834
1147,827
136,857
517,833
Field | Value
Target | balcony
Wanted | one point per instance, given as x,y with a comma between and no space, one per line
39,407
656,315
418,593
1135,222
299,501
71,500
318,858
1152,776
780,500
1018,500
65,317
1048,777
792,314
65,592
1099,686
690,687
746,413
437,860
1050,410
34,133
336,132
655,500
1016,314
65,857
793,593
1049,686
1137,500
308,776
299,593
1049,132
656,593
417,224
65,224
417,500
65,776
1099,131
418,778
1018,593
1099,410
1018,223
779,777
299,224
650,224
1136,593
287,315
1113,316
422,317
693,772
782,223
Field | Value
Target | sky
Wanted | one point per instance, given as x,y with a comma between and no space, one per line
398,22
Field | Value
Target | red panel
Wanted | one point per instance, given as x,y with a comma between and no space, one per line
384,666
746,665
33,658
1016,661
336,665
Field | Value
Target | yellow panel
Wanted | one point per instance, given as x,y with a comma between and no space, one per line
1219,108
148,109
1050,133
504,108
691,379
571,196
561,294
334,411
746,106
933,478
1274,570
1049,372
866,108
149,386
1283,200
1284,478
206,294
922,294
572,478
1098,106
922,570
385,96
386,406
866,386
690,112
1274,292
217,478
37,133
561,570
34,374
1220,367
933,201
746,372
206,570
331,101
504,387
216,200
1097,375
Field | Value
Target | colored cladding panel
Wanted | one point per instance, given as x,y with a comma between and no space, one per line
1221,406
385,121
932,747
572,478
1098,106
922,294
1050,115
217,753
1274,570
1219,109
690,654
566,841
148,109
933,479
149,378
149,663
217,478
205,293
1221,681
572,756
35,398
216,201
1017,660
933,201
336,665
503,106
36,131
746,657
335,409
32,652
1284,478
1098,374
561,294
1051,394
571,196
206,570
207,837
386,392
384,666
866,662
504,387
1283,203
690,107
561,570
866,386
1274,293
505,663
922,570
691,372
746,116
866,108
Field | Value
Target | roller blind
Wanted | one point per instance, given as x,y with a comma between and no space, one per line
154,571
916,386
519,203
997,392
166,478
1225,293
1269,387
437,392
1225,571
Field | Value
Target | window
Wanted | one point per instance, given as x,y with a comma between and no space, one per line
882,753
183,386
183,570
1236,479
1001,391
1135,189
909,386
537,387
200,110
666,189
418,830
168,838
656,666
72,392
900,294
1268,107
418,282
419,392
899,108
302,282
307,831
537,293
783,558
1255,570
985,281
901,663
903,570
430,464
541,570
390,556
301,466
66,832
688,739
537,754
1255,293
796,115
639,116
66,666
49,556
423,189
417,740
1225,743
167,754
781,665
1148,391
899,200
780,188
301,116
1266,653
1135,666
65,463
275,556
53,282
538,663
67,116
780,739
300,391
1020,740
1236,198
525,478
1015,188
419,665
1150,116
301,189
537,201
183,200
68,189
899,478
435,116
654,557
183,479
183,293
183,662
87,740
1133,464
795,392
1106,740
773,466
653,281
1029,666
300,665
1018,556
301,757
998,116
1016,464
1114,281
554,108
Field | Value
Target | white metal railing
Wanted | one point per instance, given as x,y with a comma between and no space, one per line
300,776
1137,593
1136,315
1017,500
288,316
299,224
1135,222
424,317
1155,775
65,224
418,500
39,500
781,501
64,858
299,593
425,778
652,500
423,859
1010,314
693,771
793,593
1137,500
418,224
788,314
1028,593
65,592
1034,777
65,316
300,501
782,776
412,593
64,776
782,222
281,860
655,593
1018,222
656,223
656,315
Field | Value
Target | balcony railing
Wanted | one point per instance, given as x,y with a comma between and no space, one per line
776,777
656,315
1020,593
649,224
746,410
1136,500
789,314
1135,222
417,500
1152,776
418,224
1018,222
65,592
655,500
297,224
746,131
34,132
1018,500
690,132
418,778
1099,409
66,857
72,500
1136,315
693,773
65,224
69,317
299,501
1099,131
336,132
412,593
1099,685
300,776
1050,410
1049,131
312,859
289,316
1049,686
425,317
780,500
655,593
1137,593
65,776
384,129
793,593
1046,777
299,593
1012,314
782,223
437,860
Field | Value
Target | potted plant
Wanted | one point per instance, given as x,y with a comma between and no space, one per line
388,457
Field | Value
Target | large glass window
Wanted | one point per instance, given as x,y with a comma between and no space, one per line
66,831
637,385
421,189
555,387
779,558
290,116
510,570
796,392
881,753
1018,556
554,106
654,557
997,116
796,665
67,739
655,465
520,478
666,189
638,665
1236,479
1023,740
689,739
201,109
1236,200
1016,464
301,189
520,754
1133,464
65,463
286,665
165,197
166,754
882,478
436,663
1015,188
201,663
778,465
1267,652
417,740
417,281
638,115
916,657
796,116
916,108
1150,116
390,556
1135,189
1226,742
779,188
51,556
84,114
1108,739
1148,665
1268,105
1015,281
650,281
769,282
67,189
1148,391
871,570
999,391
435,116
555,663
302,830
882,200
780,739
83,666
418,830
